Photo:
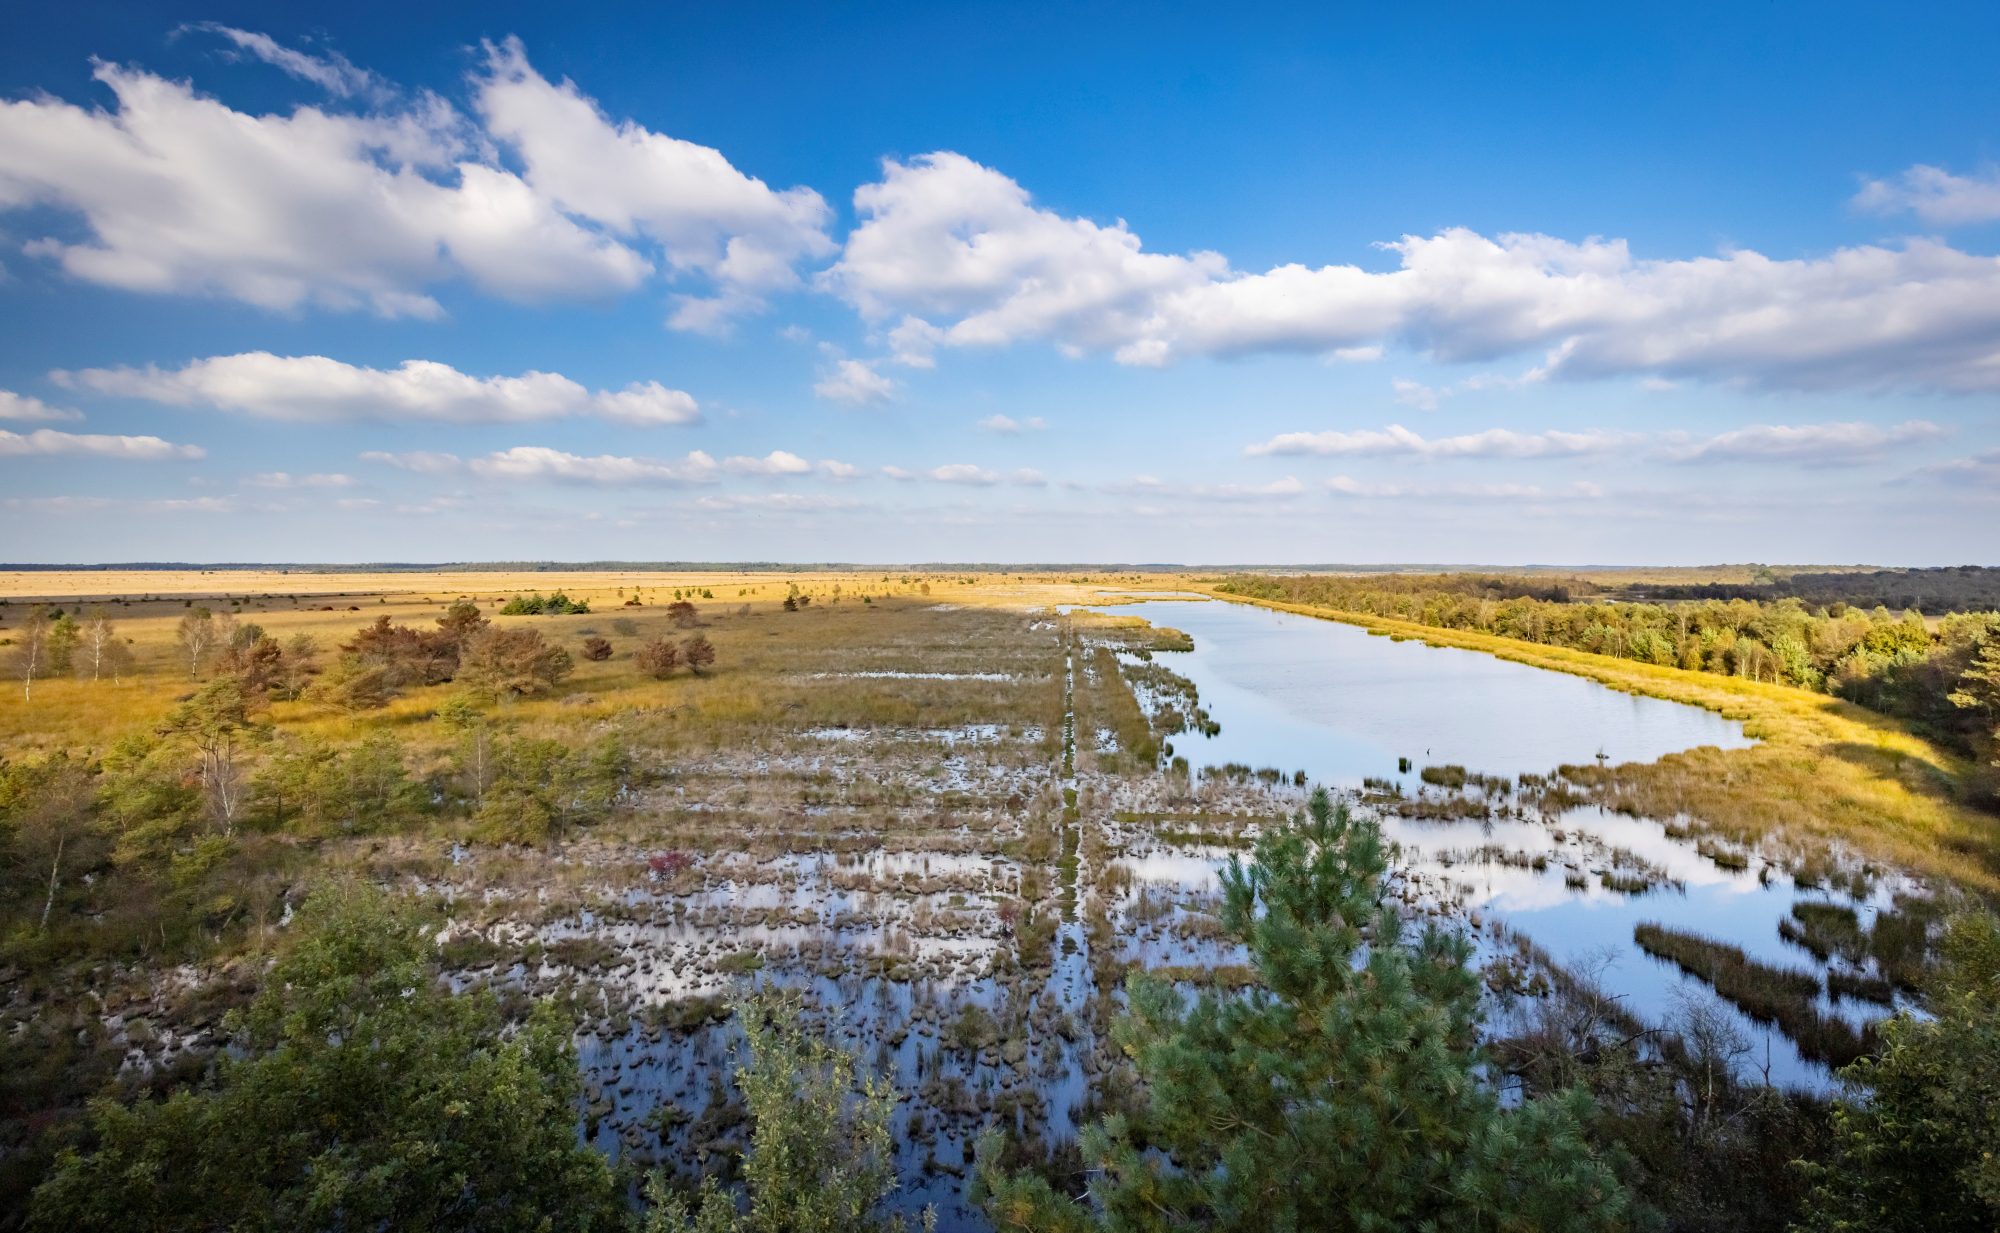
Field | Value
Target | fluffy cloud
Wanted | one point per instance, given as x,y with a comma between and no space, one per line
704,215
180,193
537,462
1811,444
47,441
958,255
21,408
963,473
313,388
1935,195
856,383
372,207
777,462
1007,425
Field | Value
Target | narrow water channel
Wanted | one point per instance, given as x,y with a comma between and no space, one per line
1302,694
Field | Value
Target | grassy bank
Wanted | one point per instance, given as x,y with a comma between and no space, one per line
1823,767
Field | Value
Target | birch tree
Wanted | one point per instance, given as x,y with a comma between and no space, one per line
31,652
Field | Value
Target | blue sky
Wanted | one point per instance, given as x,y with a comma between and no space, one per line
1008,282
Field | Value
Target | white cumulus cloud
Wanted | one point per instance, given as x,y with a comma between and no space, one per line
855,383
377,198
314,388
48,441
537,462
1935,195
957,254
23,409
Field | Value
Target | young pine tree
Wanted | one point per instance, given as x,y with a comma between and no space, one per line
1345,1093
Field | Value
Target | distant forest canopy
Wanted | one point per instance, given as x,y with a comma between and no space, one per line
1961,588
1940,674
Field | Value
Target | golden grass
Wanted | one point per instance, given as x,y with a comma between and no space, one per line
1824,767
764,677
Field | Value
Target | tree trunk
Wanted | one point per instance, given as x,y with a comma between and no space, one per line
55,870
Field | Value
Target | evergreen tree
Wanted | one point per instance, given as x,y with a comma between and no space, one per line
1344,1094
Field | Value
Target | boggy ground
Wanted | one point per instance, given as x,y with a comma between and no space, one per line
933,801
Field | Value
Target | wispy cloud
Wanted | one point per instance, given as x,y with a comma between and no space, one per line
314,388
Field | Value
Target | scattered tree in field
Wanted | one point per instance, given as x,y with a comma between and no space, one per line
100,652
64,636
658,658
819,1161
513,663
353,685
596,650
462,716
683,614
218,723
297,668
358,1094
196,635
406,655
1344,1093
538,604
1915,1145
697,652
461,621
542,789
31,652
791,603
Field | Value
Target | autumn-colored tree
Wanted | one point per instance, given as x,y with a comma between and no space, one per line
683,614
658,658
697,652
407,656
596,650
352,684
513,662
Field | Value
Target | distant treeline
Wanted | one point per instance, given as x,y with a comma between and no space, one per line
1961,588
1942,675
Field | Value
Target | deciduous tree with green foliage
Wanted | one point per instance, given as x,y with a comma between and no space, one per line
1918,1145
1344,1093
820,1158
362,1095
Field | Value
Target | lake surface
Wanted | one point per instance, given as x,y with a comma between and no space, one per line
1297,692
1300,693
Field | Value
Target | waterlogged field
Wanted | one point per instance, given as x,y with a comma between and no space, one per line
958,810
